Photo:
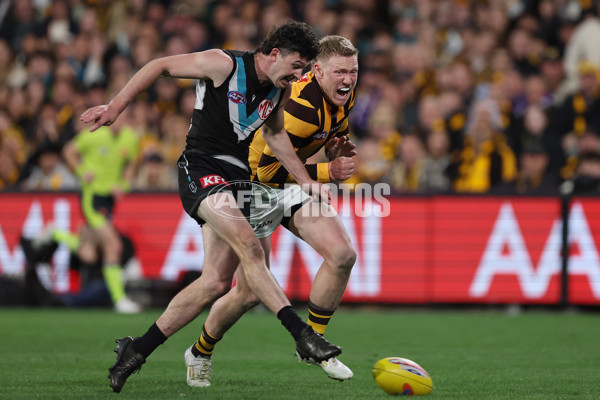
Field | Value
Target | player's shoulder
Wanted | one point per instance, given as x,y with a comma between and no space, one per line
307,90
305,97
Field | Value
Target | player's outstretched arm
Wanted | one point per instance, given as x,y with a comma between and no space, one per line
211,64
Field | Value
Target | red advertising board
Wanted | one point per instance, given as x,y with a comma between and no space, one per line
426,249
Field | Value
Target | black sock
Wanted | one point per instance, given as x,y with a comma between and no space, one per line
292,322
146,344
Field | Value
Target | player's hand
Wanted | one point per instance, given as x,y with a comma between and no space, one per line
341,147
100,115
341,168
318,191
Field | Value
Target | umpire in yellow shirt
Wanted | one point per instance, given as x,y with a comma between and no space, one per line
104,161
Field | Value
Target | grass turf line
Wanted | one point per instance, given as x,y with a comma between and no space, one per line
65,354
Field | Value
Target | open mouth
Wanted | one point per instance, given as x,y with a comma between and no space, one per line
287,80
343,91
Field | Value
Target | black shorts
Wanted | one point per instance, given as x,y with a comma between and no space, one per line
96,209
201,175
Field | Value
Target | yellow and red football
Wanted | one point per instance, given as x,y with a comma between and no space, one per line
401,376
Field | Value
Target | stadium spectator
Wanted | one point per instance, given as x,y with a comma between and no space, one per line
370,164
155,175
405,175
49,172
434,175
587,174
579,111
20,21
582,45
485,160
533,176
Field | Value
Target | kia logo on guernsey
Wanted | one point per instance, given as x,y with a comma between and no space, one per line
210,180
236,97
264,109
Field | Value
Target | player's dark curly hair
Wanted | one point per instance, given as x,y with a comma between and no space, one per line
293,36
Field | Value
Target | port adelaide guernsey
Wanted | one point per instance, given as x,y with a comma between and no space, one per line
225,118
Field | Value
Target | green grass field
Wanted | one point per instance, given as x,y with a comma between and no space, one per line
65,354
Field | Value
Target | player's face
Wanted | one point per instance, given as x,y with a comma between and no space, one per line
337,78
287,69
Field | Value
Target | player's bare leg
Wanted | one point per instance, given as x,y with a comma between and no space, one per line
220,262
327,235
224,313
240,236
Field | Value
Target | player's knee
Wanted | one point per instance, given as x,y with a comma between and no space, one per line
344,257
219,288
252,251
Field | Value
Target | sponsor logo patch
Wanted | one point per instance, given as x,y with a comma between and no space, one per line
264,108
236,97
336,127
211,180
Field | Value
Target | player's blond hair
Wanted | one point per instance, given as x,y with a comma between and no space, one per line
334,45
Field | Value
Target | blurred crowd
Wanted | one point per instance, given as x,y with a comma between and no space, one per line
453,96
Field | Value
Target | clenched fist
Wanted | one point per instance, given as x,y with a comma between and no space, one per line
341,168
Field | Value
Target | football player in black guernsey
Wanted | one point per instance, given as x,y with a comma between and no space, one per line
237,93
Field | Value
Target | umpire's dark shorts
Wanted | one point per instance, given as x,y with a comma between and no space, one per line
201,175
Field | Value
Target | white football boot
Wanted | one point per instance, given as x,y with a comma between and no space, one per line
198,369
334,368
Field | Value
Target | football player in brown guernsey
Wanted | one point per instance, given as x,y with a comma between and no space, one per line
316,118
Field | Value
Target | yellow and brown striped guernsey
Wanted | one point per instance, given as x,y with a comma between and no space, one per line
310,122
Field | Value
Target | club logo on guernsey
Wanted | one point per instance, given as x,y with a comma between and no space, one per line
211,180
236,97
264,109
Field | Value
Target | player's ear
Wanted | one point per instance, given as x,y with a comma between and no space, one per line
275,53
318,70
